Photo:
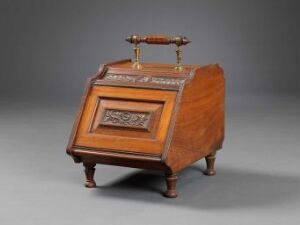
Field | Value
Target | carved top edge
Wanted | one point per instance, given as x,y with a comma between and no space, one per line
161,80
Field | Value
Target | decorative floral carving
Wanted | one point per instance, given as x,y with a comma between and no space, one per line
120,77
126,118
145,79
167,81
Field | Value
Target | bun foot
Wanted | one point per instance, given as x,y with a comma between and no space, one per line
208,172
171,180
170,194
89,174
210,162
90,184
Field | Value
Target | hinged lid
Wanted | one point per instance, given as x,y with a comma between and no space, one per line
157,76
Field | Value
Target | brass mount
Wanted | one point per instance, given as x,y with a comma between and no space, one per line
135,39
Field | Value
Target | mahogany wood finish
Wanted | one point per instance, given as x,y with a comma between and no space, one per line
157,39
151,118
156,107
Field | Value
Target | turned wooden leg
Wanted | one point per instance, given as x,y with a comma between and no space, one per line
89,174
210,162
171,180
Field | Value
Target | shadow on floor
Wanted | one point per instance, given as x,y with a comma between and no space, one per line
228,189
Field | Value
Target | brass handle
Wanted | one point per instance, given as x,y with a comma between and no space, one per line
158,40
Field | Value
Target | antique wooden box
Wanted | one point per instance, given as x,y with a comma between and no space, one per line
152,116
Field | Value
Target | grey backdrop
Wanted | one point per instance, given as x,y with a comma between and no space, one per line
49,48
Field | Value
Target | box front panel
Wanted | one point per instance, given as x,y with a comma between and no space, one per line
126,119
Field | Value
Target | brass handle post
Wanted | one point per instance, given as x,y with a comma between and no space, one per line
135,39
178,66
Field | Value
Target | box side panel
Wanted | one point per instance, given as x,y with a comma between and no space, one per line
199,126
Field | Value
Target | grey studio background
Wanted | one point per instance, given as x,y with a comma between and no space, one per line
49,48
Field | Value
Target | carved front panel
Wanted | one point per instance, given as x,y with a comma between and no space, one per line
161,80
114,117
126,119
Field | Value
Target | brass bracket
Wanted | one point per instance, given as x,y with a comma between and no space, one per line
178,41
135,39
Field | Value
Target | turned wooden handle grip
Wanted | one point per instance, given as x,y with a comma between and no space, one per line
158,40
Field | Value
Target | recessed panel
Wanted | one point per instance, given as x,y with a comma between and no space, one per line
126,118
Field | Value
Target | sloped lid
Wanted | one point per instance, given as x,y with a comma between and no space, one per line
152,69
